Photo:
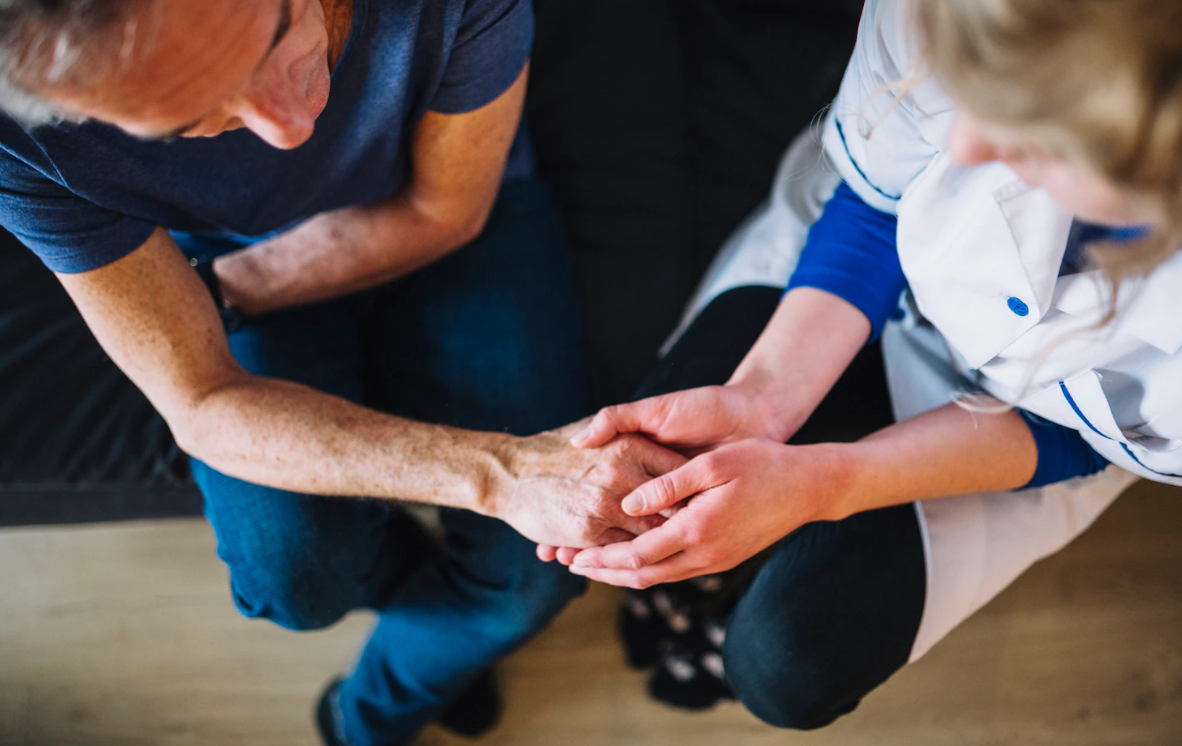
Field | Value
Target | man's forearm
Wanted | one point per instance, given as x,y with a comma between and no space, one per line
948,451
342,252
805,348
287,436
457,166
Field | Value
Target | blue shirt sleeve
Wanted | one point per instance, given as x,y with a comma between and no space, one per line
1062,453
852,253
491,48
68,233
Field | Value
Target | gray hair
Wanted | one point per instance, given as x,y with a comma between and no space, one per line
42,41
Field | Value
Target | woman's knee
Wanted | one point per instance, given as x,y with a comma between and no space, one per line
784,679
831,616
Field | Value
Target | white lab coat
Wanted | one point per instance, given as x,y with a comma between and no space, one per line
986,310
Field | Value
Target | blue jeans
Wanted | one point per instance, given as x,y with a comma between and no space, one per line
486,339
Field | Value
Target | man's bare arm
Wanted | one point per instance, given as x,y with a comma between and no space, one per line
155,318
458,161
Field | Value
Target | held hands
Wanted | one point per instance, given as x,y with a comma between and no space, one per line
744,489
730,504
691,421
553,493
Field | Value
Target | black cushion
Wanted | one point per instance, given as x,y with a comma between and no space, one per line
660,124
68,416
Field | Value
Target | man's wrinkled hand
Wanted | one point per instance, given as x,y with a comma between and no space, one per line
558,495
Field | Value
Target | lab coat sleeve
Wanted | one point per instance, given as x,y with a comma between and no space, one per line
851,252
890,117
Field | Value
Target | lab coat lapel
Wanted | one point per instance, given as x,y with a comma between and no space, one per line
1040,229
981,252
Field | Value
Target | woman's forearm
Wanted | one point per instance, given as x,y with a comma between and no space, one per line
798,358
948,451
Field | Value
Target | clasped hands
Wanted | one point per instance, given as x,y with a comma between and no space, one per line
700,481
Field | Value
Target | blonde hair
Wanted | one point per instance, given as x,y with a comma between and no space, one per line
1098,82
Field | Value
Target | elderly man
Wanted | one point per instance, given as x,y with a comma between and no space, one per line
343,187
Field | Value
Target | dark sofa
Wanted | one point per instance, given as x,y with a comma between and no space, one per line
659,124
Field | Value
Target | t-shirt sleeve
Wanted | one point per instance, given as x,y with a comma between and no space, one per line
1062,453
68,233
851,252
491,48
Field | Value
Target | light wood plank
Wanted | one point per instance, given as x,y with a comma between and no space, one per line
125,634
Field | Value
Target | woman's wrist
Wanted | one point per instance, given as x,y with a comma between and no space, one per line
781,408
818,482
809,342
840,487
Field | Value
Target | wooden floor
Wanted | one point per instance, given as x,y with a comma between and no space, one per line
125,635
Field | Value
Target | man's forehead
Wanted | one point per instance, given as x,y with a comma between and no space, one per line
282,26
187,54
192,17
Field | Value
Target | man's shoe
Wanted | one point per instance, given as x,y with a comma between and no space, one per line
327,712
477,710
473,713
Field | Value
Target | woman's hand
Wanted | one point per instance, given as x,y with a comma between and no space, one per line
691,420
809,341
731,504
742,497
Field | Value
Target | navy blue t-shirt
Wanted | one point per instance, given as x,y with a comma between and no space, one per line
82,196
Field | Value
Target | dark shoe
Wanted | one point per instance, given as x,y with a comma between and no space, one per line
642,631
475,712
326,715
691,674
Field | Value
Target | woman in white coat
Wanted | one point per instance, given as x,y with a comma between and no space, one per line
991,171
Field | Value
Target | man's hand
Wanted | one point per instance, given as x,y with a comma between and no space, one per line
559,495
689,420
731,504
